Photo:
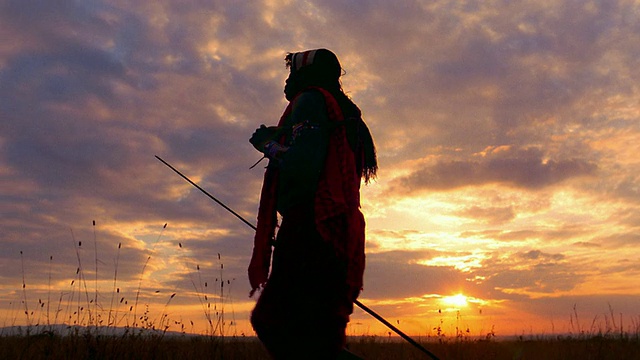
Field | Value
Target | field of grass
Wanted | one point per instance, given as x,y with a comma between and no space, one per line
117,325
90,344
549,349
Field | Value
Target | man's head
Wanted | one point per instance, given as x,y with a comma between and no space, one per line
319,67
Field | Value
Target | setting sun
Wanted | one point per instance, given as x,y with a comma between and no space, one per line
458,300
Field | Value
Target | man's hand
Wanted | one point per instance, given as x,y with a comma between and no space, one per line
263,135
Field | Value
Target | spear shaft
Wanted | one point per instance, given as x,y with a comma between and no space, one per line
207,193
358,303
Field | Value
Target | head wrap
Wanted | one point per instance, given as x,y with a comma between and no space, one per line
318,62
302,59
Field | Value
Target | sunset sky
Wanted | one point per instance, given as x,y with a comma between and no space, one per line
508,136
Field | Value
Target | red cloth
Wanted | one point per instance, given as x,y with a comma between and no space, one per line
338,217
306,289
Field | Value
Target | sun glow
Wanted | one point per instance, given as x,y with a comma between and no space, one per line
458,300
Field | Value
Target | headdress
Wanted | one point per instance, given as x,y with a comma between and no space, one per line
321,62
302,59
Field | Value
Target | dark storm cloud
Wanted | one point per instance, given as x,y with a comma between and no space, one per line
526,168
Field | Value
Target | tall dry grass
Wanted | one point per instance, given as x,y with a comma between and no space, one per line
85,304
80,326
86,345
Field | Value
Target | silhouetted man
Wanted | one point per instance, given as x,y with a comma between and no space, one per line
319,153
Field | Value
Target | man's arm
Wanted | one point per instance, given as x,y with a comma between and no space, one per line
308,115
308,138
301,164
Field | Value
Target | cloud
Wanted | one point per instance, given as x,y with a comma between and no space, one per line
561,235
46,251
537,254
620,240
528,273
500,276
578,314
493,215
523,168
397,275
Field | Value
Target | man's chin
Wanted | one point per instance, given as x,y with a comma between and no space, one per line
289,95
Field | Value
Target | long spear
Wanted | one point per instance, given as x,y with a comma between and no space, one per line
358,303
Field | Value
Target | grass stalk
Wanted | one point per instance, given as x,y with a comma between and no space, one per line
95,298
24,290
199,293
115,288
221,317
49,291
135,306
80,306
82,281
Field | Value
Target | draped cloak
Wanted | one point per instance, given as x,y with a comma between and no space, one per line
336,208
